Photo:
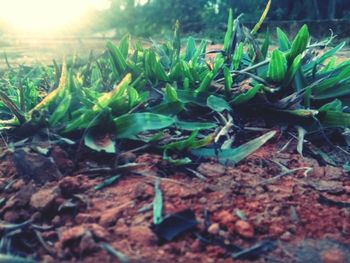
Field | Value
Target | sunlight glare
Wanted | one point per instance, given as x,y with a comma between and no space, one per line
46,15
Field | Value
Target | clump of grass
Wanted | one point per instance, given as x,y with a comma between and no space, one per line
174,99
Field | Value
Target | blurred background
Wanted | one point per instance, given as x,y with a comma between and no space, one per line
35,30
152,17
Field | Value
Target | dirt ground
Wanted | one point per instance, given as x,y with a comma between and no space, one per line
298,216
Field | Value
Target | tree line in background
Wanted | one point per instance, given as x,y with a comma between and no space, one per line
147,17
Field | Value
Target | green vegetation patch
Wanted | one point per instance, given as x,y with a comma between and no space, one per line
179,101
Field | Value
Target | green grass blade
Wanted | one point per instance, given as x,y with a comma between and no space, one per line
157,203
236,155
107,182
299,44
218,104
190,49
266,44
124,46
129,125
117,59
283,41
206,83
61,110
229,32
262,18
278,66
237,57
334,119
228,81
247,96
194,126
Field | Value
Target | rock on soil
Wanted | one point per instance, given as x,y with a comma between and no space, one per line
110,216
244,229
142,234
43,199
36,167
211,169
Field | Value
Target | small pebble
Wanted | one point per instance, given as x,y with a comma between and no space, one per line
244,229
287,236
203,200
214,229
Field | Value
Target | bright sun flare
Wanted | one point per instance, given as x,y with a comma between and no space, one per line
45,15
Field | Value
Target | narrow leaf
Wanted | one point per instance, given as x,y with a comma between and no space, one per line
262,18
277,67
129,125
157,203
218,104
236,155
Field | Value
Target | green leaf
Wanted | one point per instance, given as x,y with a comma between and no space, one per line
327,55
194,126
266,44
334,119
183,144
218,104
299,44
61,110
96,77
299,82
205,84
157,203
237,56
190,142
170,94
85,120
200,53
133,97
106,99
228,81
168,108
283,41
278,66
129,125
117,59
189,97
236,155
341,73
160,73
262,18
107,182
190,49
330,65
56,93
218,63
335,105
124,46
292,71
229,32
330,53
186,84
247,96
